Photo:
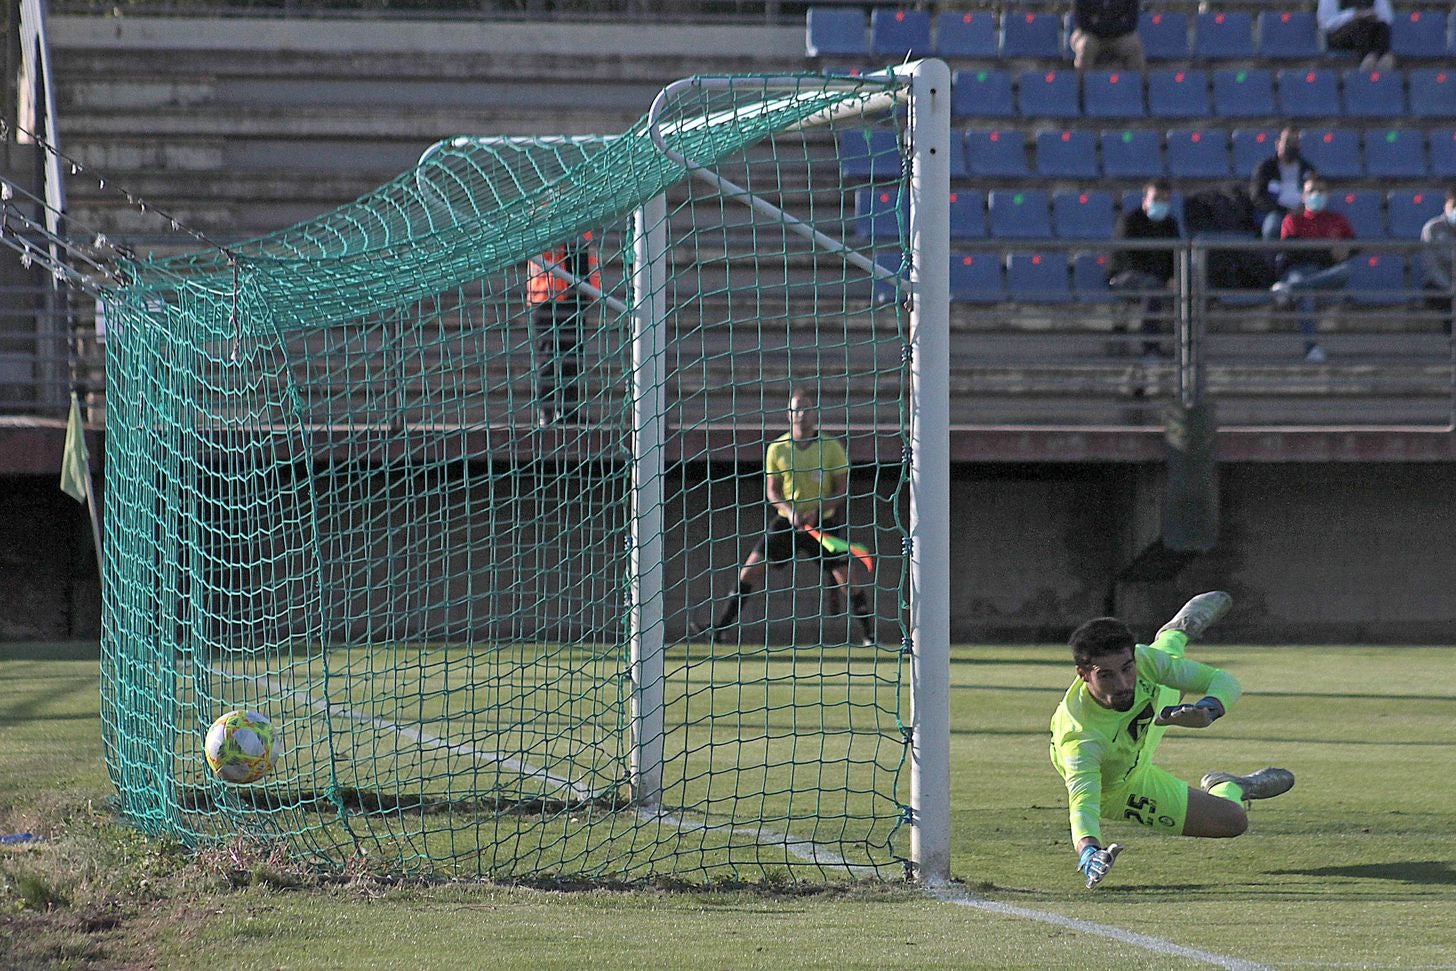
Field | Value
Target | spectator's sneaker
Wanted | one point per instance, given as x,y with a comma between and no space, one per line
1315,354
1369,61
1199,614
866,640
1385,62
1264,784
1283,296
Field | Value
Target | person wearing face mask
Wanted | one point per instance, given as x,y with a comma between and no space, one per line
1439,235
1148,270
1307,271
1277,186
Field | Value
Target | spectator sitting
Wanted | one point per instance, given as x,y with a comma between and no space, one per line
1277,186
1105,34
1307,270
1439,235
1362,26
1147,270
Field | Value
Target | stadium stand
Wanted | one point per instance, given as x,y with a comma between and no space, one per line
1288,35
877,214
1132,154
1038,277
1307,93
1365,208
1112,94
1082,214
982,93
1409,209
1198,153
1179,93
1250,147
997,152
1442,143
1335,152
900,33
1069,154
976,278
1089,278
1374,94
1396,153
966,34
967,214
1243,92
835,32
1420,34
1048,94
1224,35
1020,214
1377,279
1432,92
1031,34
872,154
1164,35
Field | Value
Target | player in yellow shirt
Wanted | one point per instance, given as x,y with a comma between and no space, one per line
1106,728
806,480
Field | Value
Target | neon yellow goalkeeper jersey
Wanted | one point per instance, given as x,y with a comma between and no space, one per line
1096,749
807,471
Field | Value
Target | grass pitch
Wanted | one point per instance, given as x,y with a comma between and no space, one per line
1355,868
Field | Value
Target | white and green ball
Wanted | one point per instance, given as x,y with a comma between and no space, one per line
241,746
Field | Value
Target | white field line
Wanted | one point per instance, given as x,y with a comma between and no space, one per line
804,849
1147,942
423,738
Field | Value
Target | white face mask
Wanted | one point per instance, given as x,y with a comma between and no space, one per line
1451,217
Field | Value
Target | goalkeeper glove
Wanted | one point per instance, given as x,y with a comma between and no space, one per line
1096,862
1201,715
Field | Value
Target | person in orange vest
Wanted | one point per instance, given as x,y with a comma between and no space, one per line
557,304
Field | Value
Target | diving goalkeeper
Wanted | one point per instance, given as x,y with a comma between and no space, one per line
1106,728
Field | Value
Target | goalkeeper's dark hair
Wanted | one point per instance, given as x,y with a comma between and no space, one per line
1099,637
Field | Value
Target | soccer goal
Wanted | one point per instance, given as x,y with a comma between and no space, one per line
445,481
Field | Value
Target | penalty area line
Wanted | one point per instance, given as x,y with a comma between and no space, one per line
1145,941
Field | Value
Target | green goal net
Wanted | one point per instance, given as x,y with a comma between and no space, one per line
453,484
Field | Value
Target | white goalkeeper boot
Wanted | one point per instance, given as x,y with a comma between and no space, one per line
1199,614
1264,784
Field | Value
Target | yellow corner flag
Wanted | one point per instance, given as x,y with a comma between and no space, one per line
75,461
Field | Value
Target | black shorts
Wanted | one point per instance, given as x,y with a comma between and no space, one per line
781,542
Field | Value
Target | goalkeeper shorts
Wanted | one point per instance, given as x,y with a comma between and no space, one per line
1150,797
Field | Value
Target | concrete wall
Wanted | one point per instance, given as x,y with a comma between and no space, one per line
1312,553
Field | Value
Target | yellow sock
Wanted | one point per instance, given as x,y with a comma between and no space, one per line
1229,790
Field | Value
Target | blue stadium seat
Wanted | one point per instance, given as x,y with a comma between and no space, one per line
1419,33
1038,277
1377,279
996,152
966,33
1031,34
967,214
1374,94
1048,94
1198,153
1164,35
1443,152
1083,214
870,154
1112,94
976,278
877,213
1224,35
1020,214
1179,93
1335,152
1243,93
981,94
1365,208
1067,154
835,32
1432,92
1398,153
1089,278
1410,209
1132,154
1288,35
898,33
1252,146
959,169
1308,93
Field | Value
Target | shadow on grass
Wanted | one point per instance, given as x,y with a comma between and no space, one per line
51,651
1425,872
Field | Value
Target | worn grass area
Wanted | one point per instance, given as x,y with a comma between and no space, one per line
1353,869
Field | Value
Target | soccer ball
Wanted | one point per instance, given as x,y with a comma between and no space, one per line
241,746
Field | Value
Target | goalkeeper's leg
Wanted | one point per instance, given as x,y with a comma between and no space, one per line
1199,614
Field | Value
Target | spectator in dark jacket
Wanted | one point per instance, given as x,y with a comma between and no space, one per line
1277,186
1362,26
1104,34
1148,270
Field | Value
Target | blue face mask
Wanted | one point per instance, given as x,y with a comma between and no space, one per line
1157,211
1316,202
1451,217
